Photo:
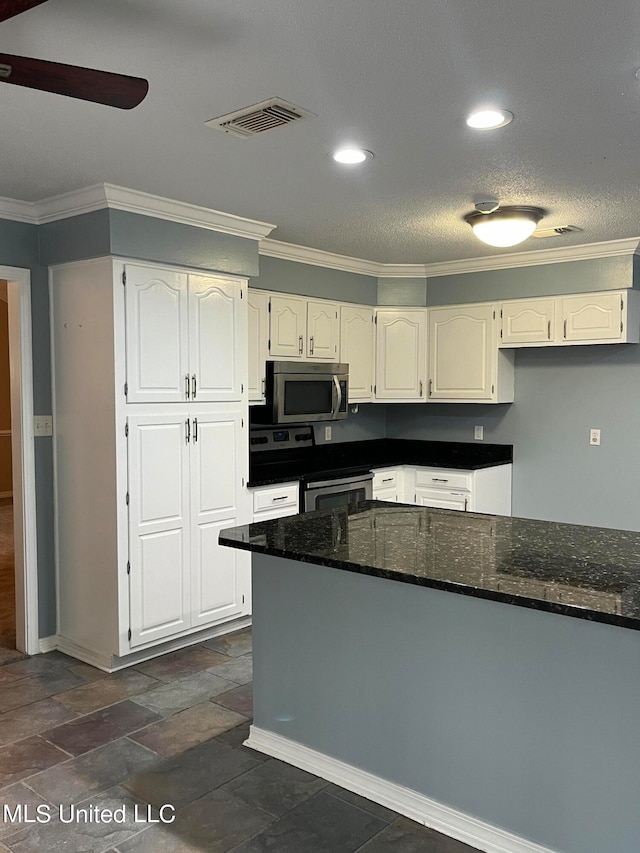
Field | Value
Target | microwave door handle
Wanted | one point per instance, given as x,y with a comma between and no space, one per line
338,396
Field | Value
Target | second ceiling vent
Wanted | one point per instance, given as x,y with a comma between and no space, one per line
259,118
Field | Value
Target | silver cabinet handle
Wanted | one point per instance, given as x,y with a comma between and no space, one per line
195,429
311,345
283,498
565,329
187,437
549,330
186,386
193,387
264,387
420,388
439,480
430,388
300,344
387,480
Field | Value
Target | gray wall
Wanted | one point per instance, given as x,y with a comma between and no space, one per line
368,422
526,720
19,248
544,280
308,280
402,291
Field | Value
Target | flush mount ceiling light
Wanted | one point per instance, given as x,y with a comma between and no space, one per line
503,226
352,156
489,119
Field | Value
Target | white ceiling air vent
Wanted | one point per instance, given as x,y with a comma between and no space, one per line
558,231
258,118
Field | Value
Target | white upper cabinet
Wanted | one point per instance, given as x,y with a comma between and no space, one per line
464,361
185,336
400,354
322,331
258,333
356,350
217,338
157,325
287,327
527,321
610,317
594,317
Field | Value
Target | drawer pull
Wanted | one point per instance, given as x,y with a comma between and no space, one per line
281,498
439,480
387,480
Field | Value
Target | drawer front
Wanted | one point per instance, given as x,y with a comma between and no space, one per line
385,480
444,478
273,497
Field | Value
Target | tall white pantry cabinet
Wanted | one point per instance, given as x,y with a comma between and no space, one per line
151,455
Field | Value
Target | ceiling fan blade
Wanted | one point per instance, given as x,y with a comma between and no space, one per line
9,8
87,84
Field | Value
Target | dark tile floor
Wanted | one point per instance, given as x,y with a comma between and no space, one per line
75,742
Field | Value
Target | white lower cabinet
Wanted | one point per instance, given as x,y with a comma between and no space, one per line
485,490
386,484
275,501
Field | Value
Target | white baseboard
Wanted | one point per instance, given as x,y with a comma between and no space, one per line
47,644
456,824
113,663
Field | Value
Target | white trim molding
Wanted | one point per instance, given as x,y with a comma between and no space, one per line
451,822
23,457
318,257
100,196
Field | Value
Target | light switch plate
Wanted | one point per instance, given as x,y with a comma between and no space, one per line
43,425
478,433
327,433
594,436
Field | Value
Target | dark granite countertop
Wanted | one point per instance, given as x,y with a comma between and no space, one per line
266,468
585,572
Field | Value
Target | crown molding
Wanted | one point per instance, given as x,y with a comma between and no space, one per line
18,211
556,255
317,257
101,196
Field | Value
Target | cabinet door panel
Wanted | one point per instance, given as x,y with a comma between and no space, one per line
258,333
356,350
322,331
156,334
216,340
528,321
592,318
460,353
400,355
288,327
158,527
216,489
441,499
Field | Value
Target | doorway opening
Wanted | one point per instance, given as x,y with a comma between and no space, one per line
18,551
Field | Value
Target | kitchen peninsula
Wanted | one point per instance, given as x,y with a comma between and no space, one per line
477,673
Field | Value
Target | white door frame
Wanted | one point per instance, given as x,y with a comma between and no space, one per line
23,457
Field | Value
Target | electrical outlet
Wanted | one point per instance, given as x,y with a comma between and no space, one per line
43,425
327,433
594,436
478,433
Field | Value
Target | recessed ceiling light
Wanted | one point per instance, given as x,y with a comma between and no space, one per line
488,119
352,156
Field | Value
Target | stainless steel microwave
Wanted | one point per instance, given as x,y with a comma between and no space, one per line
298,391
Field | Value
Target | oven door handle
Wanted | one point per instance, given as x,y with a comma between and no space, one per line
337,397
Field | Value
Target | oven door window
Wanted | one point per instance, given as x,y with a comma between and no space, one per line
308,397
347,497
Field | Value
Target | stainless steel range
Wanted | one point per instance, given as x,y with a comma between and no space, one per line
280,453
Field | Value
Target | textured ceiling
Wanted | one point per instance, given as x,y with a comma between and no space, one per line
393,77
